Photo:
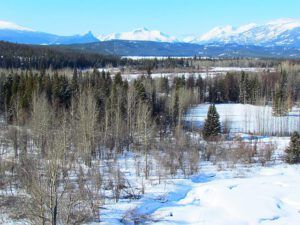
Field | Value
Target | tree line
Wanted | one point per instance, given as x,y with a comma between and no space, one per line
166,99
43,57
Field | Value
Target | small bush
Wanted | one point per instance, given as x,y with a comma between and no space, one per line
292,153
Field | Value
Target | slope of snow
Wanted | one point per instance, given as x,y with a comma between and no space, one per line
216,33
269,196
142,34
12,26
250,33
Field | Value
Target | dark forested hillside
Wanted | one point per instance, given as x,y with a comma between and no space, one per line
178,49
38,57
42,38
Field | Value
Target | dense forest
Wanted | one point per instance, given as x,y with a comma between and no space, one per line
162,95
43,57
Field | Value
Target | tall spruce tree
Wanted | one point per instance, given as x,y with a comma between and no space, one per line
293,151
243,88
280,99
175,110
212,126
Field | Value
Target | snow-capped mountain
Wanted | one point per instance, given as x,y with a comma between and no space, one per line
141,34
12,26
282,32
277,38
12,32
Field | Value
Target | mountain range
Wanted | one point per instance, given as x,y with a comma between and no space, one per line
17,34
141,34
281,32
279,38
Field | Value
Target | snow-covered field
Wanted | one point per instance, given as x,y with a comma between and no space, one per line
134,76
156,57
240,196
240,69
205,72
247,118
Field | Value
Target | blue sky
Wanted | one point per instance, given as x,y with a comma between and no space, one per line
175,17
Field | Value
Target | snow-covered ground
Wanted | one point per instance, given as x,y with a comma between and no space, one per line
245,195
240,69
247,118
134,76
204,72
240,195
265,196
156,57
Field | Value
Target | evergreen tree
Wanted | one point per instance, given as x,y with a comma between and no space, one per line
200,87
253,90
140,89
175,111
212,126
293,151
231,86
190,83
74,82
164,85
243,82
280,99
245,89
8,91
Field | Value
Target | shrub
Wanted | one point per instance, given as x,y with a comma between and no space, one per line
292,153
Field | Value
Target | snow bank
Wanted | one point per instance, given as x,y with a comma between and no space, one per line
269,197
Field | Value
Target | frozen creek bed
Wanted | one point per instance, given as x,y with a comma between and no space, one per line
245,196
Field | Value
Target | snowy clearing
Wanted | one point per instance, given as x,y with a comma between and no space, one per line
240,69
204,72
133,76
247,118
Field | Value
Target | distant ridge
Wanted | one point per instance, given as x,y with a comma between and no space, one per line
17,34
153,48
